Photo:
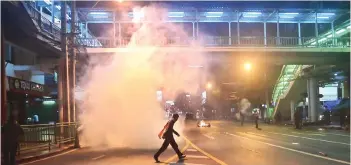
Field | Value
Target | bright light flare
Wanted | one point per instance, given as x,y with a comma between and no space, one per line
209,86
247,66
202,123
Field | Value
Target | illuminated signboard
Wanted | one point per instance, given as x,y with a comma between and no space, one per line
25,86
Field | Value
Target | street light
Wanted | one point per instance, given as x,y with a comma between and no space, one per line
247,66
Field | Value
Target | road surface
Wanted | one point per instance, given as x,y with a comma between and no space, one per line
228,143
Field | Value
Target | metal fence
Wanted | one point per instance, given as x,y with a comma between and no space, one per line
221,41
45,136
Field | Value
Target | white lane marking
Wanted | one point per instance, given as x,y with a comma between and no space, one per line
328,133
257,134
210,137
191,150
281,147
49,157
313,134
101,156
175,163
197,156
309,138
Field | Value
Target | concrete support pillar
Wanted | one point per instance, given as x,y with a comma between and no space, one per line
313,99
230,33
299,31
292,110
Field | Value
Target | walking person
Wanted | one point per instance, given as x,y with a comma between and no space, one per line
298,119
242,118
256,117
167,135
12,132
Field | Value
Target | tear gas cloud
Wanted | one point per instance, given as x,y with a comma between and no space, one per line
244,106
120,108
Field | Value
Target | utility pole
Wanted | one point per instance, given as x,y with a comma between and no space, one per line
73,65
73,58
66,106
3,80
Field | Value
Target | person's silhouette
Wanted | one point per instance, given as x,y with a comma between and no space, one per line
169,139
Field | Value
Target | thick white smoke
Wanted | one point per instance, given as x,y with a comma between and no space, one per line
244,106
120,108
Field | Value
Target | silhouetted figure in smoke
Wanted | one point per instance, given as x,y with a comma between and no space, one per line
12,132
298,119
167,135
256,119
278,117
326,115
242,118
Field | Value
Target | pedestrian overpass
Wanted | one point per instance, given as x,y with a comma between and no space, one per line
336,40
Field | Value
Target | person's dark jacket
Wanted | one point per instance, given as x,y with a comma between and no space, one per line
297,116
170,131
12,133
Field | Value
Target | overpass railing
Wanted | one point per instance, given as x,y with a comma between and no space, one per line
220,41
45,136
43,23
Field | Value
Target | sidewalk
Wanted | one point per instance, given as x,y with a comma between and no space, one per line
314,125
39,154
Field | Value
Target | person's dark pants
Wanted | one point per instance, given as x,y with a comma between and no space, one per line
10,154
256,122
166,142
297,124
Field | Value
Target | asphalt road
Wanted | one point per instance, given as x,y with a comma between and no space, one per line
229,143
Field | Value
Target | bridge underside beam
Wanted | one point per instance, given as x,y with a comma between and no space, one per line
272,58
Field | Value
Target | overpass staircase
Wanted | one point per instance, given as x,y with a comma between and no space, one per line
287,87
52,32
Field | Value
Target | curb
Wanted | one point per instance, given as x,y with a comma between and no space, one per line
32,158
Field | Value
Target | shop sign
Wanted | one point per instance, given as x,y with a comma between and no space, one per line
25,85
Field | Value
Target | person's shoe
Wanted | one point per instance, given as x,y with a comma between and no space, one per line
156,159
182,156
